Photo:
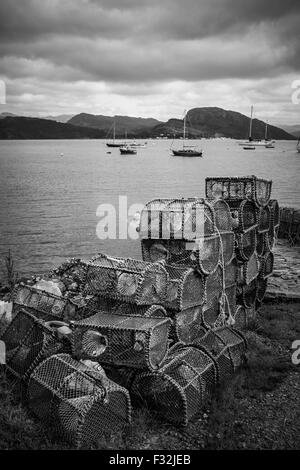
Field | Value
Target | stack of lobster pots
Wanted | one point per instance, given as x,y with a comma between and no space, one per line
255,220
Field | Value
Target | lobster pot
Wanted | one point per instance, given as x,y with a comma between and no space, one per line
28,340
214,287
202,254
245,245
128,280
223,218
123,376
267,264
180,389
184,219
138,342
246,294
80,403
211,315
41,303
262,244
244,215
185,288
117,307
264,219
249,270
227,247
275,214
238,188
171,251
187,325
231,274
243,317
262,285
240,317
227,347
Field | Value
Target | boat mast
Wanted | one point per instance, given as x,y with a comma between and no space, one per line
184,127
250,129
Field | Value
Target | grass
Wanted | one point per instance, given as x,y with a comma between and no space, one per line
223,424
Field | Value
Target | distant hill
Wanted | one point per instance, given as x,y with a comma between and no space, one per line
217,122
60,117
200,122
132,125
294,130
4,115
34,128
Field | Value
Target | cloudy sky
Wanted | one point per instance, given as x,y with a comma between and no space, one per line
150,57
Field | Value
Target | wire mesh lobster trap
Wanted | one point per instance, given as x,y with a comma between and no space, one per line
247,294
262,245
127,279
178,391
138,342
262,285
274,214
187,326
185,288
263,219
184,219
78,401
222,213
249,270
28,340
267,264
227,347
237,188
202,254
243,317
244,215
118,307
245,245
42,304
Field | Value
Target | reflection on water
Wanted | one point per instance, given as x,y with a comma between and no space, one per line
50,190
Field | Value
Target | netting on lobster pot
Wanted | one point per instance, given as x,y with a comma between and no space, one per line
231,274
247,294
214,287
77,400
176,219
249,270
28,340
244,215
127,279
275,214
237,188
41,303
179,390
138,342
270,241
185,288
171,251
263,219
240,317
118,307
206,253
187,325
262,285
227,347
261,243
223,218
227,251
267,264
245,245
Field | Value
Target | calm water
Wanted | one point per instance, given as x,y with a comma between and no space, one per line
50,190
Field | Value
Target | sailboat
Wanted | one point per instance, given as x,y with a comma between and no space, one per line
114,143
187,150
267,143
